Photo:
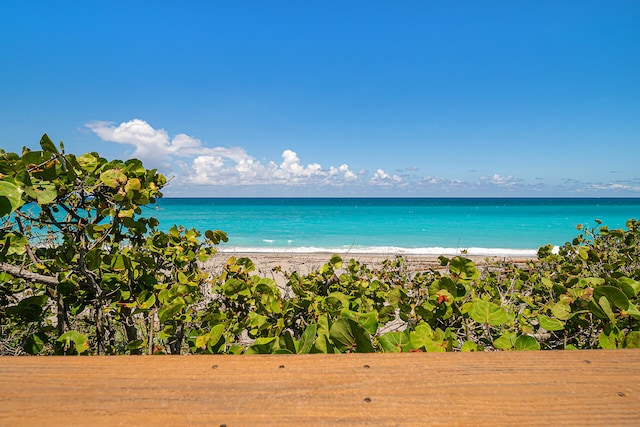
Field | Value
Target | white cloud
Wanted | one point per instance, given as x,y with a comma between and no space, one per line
218,165
193,163
498,180
616,187
381,178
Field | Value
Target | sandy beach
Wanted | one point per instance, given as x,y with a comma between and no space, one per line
303,263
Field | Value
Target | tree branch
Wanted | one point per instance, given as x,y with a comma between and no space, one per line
28,275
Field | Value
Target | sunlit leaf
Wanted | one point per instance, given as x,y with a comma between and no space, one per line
395,342
550,324
10,197
487,312
526,342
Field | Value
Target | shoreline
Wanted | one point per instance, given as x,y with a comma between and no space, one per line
304,263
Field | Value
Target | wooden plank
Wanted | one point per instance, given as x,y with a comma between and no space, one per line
523,388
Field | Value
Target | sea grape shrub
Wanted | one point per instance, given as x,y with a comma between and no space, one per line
82,269
597,279
584,296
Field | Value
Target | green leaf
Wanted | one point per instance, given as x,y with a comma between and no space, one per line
88,162
322,345
288,344
348,336
113,178
212,338
46,192
632,311
369,321
47,144
120,262
261,346
469,346
506,341
73,340
632,340
634,285
232,287
550,324
338,300
607,341
486,312
526,342
35,343
10,197
146,300
613,294
169,312
307,338
421,336
395,342
562,309
463,269
604,304
336,261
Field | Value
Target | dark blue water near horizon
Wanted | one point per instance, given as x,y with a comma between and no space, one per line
396,225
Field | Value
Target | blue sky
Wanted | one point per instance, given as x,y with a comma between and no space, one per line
335,98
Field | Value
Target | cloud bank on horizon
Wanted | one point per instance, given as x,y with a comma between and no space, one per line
192,163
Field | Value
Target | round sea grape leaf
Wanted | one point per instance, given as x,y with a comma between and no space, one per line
583,252
35,343
445,283
486,312
369,320
421,336
322,345
464,269
526,342
80,342
550,324
233,286
10,197
349,336
113,178
46,192
17,244
562,309
338,300
395,342
134,167
336,261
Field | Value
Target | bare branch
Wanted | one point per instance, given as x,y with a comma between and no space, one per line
28,275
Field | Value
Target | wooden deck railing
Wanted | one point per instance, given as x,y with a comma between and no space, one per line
504,388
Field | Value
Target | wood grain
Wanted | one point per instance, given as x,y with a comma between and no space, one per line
501,388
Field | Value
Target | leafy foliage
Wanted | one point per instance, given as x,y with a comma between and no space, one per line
83,271
584,296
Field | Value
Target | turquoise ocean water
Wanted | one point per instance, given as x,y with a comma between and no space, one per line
482,226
